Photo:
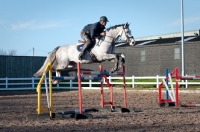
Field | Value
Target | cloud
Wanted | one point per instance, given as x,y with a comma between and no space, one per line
47,25
3,24
189,20
34,25
22,25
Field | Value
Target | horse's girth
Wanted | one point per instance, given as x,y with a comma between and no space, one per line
94,58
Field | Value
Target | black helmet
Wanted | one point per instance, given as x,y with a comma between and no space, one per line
104,18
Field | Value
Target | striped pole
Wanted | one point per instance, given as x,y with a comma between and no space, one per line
124,81
172,87
160,93
76,78
102,92
102,73
190,105
166,74
79,87
189,77
176,72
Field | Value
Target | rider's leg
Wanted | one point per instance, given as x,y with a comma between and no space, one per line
88,43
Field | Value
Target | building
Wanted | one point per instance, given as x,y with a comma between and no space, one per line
153,54
149,57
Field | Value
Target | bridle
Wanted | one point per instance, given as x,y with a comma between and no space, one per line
127,36
120,34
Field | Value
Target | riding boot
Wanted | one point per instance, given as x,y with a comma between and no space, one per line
86,45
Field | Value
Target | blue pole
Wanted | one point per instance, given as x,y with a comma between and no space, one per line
166,74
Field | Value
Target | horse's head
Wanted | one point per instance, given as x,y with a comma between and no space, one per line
121,31
125,34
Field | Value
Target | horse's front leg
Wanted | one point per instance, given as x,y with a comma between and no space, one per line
122,60
116,67
111,57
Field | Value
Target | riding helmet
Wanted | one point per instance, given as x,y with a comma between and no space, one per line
104,18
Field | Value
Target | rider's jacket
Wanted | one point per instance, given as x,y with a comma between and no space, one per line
94,30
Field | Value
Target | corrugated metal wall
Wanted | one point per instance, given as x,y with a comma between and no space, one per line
19,66
157,58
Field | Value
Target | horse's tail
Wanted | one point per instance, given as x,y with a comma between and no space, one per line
50,58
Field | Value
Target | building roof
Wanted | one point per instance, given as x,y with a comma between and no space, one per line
189,36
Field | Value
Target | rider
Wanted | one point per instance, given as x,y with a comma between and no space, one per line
92,31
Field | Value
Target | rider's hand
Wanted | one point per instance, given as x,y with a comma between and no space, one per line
103,34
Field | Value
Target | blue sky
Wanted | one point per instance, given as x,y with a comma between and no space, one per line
46,24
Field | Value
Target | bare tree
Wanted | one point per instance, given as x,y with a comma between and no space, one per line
9,53
2,52
12,52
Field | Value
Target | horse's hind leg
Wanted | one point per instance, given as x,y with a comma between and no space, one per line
58,74
61,65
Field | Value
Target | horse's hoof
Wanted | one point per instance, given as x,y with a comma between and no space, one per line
114,70
123,61
55,82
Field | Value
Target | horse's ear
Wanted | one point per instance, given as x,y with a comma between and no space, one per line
126,25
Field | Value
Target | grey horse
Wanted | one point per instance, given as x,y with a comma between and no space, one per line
66,56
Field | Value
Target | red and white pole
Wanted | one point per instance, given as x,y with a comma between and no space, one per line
79,87
124,80
177,78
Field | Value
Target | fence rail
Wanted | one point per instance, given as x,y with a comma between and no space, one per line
31,83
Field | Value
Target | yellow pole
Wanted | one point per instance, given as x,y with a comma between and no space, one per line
39,94
48,68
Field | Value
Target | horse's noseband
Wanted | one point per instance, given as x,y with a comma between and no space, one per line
128,38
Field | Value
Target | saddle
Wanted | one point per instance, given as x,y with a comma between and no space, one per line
80,42
80,45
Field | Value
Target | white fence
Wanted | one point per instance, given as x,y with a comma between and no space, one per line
31,83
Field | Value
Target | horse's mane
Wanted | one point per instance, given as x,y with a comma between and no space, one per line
113,27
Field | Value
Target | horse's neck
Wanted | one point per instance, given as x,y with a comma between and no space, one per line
110,38
107,44
112,34
104,46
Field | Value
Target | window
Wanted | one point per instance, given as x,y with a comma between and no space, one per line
142,56
177,53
